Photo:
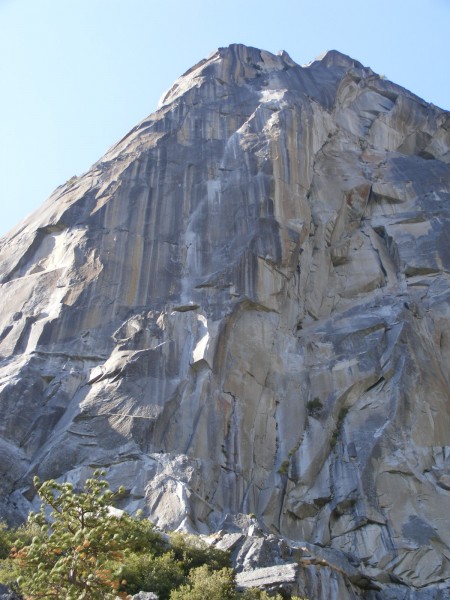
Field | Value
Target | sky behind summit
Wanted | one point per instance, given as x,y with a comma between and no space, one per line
76,75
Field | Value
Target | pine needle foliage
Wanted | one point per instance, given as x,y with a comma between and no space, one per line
76,548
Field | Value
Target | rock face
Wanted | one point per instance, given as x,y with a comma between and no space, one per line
243,307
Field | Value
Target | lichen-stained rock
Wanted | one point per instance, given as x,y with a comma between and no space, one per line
243,307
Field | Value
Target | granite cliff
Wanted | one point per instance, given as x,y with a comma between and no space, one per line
243,308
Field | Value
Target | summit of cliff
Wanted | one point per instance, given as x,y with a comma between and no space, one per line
246,66
243,307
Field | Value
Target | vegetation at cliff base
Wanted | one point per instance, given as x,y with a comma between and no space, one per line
77,548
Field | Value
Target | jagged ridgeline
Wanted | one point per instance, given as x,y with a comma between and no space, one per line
243,307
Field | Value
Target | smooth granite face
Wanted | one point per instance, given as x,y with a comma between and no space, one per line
243,307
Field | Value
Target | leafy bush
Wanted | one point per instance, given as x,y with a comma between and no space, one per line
9,539
192,552
139,535
150,573
284,467
71,181
216,585
82,552
314,407
205,583
6,540
162,567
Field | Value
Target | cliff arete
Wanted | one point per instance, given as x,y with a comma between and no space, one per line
243,309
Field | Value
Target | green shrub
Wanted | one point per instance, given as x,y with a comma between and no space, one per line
256,594
314,407
85,553
70,557
341,416
140,536
9,572
11,538
71,181
284,467
149,573
6,540
204,583
192,552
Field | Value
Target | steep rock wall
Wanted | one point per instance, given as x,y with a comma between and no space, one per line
243,307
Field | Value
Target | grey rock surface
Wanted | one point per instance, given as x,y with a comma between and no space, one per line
268,577
7,593
243,307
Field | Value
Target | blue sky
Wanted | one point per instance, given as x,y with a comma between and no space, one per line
76,75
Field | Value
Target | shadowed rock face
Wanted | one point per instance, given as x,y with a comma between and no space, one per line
243,307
